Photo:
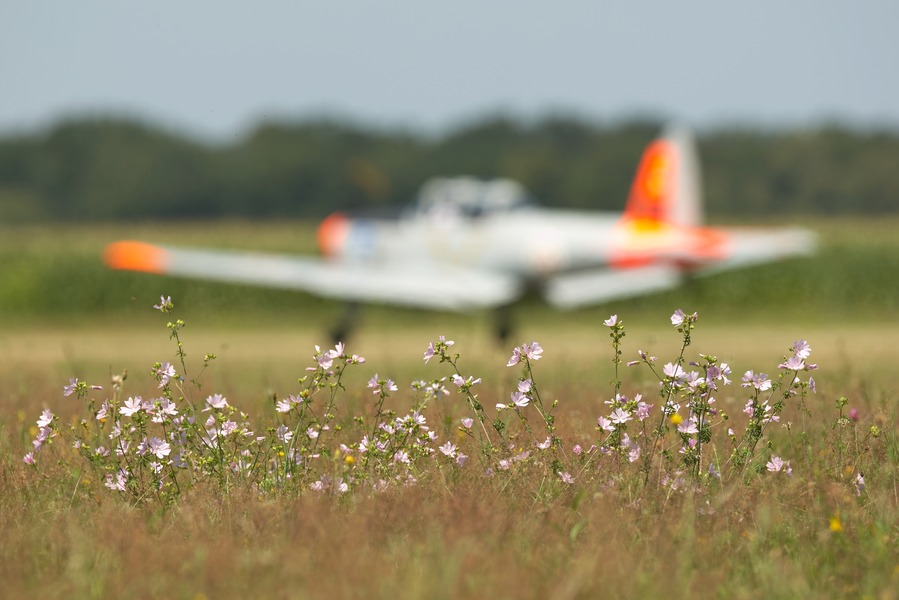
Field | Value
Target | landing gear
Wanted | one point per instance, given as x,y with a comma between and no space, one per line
347,322
503,324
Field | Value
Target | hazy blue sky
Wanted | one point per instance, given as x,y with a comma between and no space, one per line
215,68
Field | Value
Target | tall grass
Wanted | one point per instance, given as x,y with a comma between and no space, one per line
462,533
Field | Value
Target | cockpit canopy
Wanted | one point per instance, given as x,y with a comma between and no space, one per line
471,197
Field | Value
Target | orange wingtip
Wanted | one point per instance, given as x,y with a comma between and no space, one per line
135,256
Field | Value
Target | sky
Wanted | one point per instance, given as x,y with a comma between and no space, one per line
214,70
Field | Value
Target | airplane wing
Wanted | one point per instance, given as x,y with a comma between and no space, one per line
573,290
747,247
411,283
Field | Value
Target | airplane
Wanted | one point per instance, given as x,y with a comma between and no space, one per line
467,244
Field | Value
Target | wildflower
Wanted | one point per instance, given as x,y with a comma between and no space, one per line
505,464
165,304
801,349
311,433
836,525
520,400
158,447
131,406
566,477
675,372
605,424
470,381
401,456
633,454
516,357
381,386
434,349
28,458
117,482
166,408
45,419
776,465
619,416
812,386
216,401
524,386
165,372
283,406
577,450
688,427
859,484
677,319
500,406
467,423
228,427
759,381
461,458
853,414
544,444
70,389
794,363
646,357
448,449
643,410
676,419
611,321
103,413
532,351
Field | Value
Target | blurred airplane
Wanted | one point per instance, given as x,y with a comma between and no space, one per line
468,244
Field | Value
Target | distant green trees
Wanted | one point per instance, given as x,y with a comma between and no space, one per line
91,170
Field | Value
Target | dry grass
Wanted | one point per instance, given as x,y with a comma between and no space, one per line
66,536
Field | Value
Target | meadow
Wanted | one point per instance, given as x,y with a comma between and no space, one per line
526,514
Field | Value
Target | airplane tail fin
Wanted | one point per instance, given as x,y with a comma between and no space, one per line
667,188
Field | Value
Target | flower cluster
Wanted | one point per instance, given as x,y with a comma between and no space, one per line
155,447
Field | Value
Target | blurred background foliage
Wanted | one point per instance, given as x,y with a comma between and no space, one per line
114,169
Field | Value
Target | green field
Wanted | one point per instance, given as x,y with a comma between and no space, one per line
809,535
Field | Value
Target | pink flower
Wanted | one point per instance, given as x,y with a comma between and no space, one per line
131,406
216,401
619,416
677,319
801,349
611,321
759,381
448,449
45,419
520,400
545,444
467,423
566,477
776,465
70,389
159,447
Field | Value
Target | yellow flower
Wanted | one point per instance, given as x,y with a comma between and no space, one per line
676,419
835,524
349,459
281,453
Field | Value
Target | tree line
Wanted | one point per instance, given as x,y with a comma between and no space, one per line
115,169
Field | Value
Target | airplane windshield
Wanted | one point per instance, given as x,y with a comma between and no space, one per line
470,197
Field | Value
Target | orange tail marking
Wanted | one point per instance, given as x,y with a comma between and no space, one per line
653,187
135,256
